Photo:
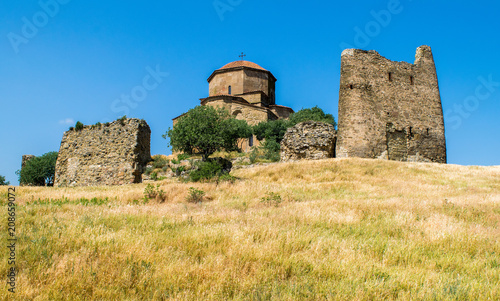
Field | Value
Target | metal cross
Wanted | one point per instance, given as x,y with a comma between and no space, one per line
242,56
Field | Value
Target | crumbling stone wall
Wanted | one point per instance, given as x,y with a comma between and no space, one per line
108,154
309,140
390,110
25,159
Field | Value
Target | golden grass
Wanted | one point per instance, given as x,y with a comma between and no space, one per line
349,229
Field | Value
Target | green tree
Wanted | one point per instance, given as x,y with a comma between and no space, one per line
3,182
206,130
312,114
39,171
273,131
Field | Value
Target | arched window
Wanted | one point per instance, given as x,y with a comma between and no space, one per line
229,90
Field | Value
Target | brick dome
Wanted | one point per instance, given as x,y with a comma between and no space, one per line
242,64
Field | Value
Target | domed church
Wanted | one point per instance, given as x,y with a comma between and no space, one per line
247,91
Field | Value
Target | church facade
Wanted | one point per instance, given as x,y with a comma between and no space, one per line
247,92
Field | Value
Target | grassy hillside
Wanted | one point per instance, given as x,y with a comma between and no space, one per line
348,229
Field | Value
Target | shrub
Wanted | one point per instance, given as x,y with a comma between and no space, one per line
225,177
148,170
150,192
195,195
253,155
79,126
271,150
178,170
3,182
207,170
159,161
272,199
273,131
154,176
183,157
312,114
122,119
71,128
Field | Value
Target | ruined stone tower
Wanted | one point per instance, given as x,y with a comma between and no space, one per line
390,110
104,154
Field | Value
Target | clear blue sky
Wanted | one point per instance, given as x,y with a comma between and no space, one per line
72,60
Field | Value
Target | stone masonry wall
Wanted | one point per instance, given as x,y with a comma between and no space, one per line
309,140
390,110
111,154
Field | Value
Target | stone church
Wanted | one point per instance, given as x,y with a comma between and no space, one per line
246,91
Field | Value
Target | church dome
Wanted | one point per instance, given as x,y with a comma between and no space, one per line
242,64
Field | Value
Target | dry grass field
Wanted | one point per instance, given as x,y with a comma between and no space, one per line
340,229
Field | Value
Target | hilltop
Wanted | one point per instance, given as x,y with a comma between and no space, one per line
339,229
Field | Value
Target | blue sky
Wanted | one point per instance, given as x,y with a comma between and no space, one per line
64,61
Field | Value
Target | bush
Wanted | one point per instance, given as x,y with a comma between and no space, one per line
148,170
79,126
195,195
271,150
3,182
273,131
151,193
179,170
312,114
272,199
225,177
122,119
253,155
39,171
154,176
207,170
159,161
182,157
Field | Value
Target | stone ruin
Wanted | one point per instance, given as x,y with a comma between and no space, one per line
390,110
25,160
104,154
387,110
309,140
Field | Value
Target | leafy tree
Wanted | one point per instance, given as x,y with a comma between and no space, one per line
312,114
206,130
39,171
3,182
273,131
